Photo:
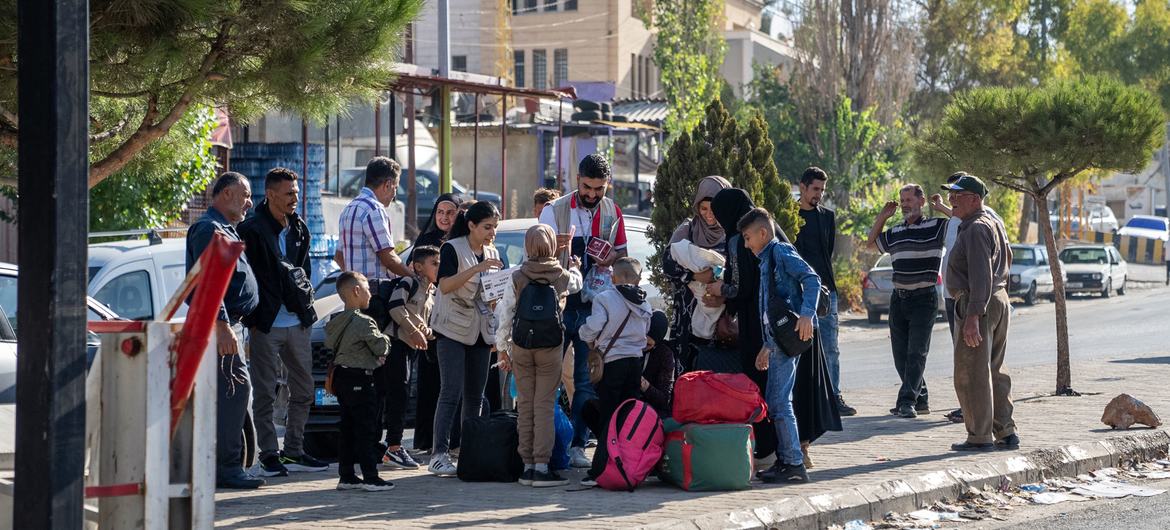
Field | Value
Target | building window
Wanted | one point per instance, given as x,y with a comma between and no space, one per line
633,75
539,69
550,5
560,67
569,5
529,7
518,68
459,63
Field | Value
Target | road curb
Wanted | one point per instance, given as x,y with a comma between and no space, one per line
873,501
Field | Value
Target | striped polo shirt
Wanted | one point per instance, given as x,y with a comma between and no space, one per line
916,250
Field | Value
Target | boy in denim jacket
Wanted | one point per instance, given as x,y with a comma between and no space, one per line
782,274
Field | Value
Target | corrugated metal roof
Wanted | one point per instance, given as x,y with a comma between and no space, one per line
651,111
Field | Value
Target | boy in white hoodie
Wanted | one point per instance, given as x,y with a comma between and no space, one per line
622,312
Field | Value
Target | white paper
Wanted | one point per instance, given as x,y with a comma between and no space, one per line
1115,490
496,283
1053,498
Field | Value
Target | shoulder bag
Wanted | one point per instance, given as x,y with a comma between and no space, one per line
597,357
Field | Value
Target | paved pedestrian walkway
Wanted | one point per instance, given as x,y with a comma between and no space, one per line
873,448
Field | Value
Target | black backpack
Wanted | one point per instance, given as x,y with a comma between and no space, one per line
537,323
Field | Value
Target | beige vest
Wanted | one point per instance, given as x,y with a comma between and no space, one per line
562,210
458,315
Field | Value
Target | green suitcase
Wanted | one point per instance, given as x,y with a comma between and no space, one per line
707,457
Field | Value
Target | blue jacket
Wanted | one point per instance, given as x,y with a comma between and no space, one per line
242,294
785,274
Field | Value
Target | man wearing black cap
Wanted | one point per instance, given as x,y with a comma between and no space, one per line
977,276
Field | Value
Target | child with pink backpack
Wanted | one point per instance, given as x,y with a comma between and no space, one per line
617,328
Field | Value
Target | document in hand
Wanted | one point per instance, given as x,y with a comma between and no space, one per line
496,282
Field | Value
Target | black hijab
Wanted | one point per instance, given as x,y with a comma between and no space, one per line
433,235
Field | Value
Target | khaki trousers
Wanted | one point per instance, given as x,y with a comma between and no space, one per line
984,390
538,373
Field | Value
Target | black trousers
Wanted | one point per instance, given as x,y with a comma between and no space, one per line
393,383
427,398
912,315
620,381
358,399
231,409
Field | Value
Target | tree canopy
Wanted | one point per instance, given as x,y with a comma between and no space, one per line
688,52
153,60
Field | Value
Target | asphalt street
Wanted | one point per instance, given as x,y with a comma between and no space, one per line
1113,328
1132,513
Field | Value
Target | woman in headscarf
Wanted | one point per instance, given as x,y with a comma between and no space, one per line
442,218
705,232
812,400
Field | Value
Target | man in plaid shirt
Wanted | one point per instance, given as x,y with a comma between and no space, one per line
366,245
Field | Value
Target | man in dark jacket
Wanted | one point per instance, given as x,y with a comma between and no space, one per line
230,200
278,248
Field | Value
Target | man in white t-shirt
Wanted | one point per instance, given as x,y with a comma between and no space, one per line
578,218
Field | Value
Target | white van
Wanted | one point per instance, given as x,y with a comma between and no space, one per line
137,278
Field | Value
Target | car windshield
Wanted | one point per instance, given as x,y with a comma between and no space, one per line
884,262
1147,223
1084,255
637,243
1023,256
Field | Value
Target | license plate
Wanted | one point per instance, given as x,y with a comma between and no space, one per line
325,399
1075,285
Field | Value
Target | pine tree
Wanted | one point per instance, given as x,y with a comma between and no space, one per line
717,146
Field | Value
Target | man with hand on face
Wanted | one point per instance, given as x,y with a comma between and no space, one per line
365,244
916,246
231,197
278,248
977,276
578,218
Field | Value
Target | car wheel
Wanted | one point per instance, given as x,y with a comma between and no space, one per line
1108,288
1030,296
874,317
1121,290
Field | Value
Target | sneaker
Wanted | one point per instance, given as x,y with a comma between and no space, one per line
399,459
241,482
548,479
922,408
764,463
1010,442
441,466
454,453
956,416
785,474
968,446
843,409
588,482
349,483
376,484
592,442
271,466
304,463
526,477
577,458
906,411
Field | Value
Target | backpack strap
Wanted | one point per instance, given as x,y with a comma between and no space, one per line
618,333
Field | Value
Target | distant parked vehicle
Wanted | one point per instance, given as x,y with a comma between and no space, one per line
1031,273
878,286
426,186
136,278
1147,226
1095,269
1099,219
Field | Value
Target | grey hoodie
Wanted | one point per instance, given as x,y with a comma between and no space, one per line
609,309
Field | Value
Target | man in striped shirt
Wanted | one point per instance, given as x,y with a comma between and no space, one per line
916,246
366,245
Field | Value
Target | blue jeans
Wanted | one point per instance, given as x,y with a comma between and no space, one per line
828,329
582,389
781,378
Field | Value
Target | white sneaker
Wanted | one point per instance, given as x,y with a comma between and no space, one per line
577,458
441,466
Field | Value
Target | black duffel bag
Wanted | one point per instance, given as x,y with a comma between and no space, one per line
488,450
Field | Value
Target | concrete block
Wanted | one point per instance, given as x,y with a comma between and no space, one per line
975,475
840,507
742,520
793,513
1022,469
934,486
1092,456
1053,462
891,496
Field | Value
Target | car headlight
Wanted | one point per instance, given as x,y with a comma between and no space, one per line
1016,278
1096,276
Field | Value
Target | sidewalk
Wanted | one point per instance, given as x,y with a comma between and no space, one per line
874,448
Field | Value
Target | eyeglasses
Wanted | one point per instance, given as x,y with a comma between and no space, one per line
953,194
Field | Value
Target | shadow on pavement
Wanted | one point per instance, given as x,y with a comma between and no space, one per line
1143,360
858,428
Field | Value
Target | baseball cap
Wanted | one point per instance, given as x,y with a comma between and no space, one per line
969,183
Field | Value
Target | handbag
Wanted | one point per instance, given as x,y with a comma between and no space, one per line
782,323
597,357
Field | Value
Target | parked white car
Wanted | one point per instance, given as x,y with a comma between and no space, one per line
1098,269
1031,274
137,278
1099,218
1147,226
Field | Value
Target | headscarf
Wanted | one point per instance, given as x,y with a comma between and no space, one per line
540,242
697,230
730,205
433,235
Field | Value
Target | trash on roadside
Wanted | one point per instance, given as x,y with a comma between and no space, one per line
1034,488
1054,498
1115,490
857,524
1126,410
931,515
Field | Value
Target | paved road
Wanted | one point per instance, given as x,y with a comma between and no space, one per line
1133,513
1098,328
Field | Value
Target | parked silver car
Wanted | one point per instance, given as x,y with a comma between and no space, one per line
1031,275
878,286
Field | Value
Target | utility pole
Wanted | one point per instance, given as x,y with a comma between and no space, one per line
1166,173
445,94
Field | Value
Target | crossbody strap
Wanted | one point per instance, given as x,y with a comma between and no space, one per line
618,333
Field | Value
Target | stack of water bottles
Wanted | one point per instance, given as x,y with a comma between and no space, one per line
254,160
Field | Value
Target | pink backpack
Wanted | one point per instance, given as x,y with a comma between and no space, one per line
635,446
